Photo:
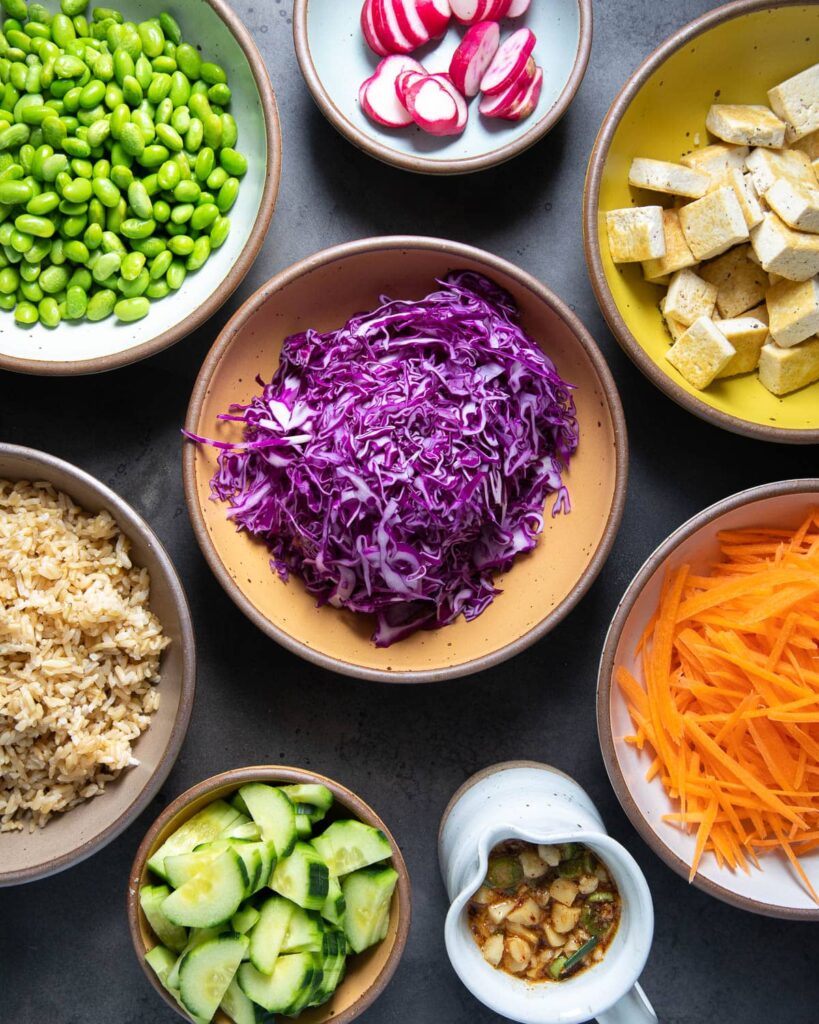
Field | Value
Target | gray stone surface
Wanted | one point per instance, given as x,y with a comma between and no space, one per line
65,955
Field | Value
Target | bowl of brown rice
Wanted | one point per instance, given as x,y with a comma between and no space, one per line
97,665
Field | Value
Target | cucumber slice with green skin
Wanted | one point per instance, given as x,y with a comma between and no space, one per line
205,826
292,976
151,898
303,877
306,997
335,904
161,961
244,830
314,794
267,852
268,936
206,974
305,933
244,919
304,826
182,868
212,896
197,937
273,812
237,802
237,1006
347,846
368,894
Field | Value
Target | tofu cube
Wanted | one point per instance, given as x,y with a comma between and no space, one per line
793,309
809,145
741,283
673,179
636,234
713,224
782,370
674,327
765,166
797,205
702,353
747,197
796,101
746,125
747,334
689,298
781,250
716,160
677,254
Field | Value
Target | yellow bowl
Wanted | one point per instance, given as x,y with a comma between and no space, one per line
735,53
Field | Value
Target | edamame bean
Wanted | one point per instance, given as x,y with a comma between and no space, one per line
129,310
14,192
101,304
43,204
53,279
200,254
219,232
233,162
132,265
77,251
49,311
227,195
107,265
170,28
76,302
158,290
29,224
132,140
135,227
26,312
130,289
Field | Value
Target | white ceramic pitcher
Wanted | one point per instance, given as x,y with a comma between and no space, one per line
539,804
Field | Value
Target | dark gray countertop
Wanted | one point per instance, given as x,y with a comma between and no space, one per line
65,954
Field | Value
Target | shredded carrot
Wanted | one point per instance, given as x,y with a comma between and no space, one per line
724,697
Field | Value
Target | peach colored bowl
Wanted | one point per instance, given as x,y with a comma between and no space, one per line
70,837
368,974
323,291
775,891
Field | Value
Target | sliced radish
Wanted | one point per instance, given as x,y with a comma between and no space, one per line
473,56
369,30
469,11
410,22
387,28
526,103
435,14
497,10
517,7
433,107
460,102
404,81
493,106
378,96
509,61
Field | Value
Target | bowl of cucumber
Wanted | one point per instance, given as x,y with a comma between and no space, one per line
269,890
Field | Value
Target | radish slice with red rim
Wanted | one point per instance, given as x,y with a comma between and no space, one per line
369,30
491,106
435,14
509,61
433,107
467,11
473,56
518,7
497,10
378,96
460,102
410,21
524,106
387,28
404,81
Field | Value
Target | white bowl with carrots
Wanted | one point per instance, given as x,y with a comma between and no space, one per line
708,700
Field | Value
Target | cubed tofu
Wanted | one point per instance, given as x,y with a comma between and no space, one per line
765,166
716,160
781,250
746,194
678,256
809,145
702,353
636,234
796,101
747,334
741,282
782,370
689,297
746,125
673,179
793,309
796,204
713,224
674,327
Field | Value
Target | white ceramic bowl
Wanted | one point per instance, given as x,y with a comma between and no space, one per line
774,891
335,60
84,347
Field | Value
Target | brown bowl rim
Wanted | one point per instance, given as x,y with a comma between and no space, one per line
591,241
239,270
456,250
131,523
429,165
277,773
808,485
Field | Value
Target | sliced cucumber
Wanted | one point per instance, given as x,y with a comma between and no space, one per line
273,812
237,1006
314,794
182,867
303,877
244,830
245,919
212,896
305,933
347,846
267,853
292,976
151,898
206,825
161,961
335,904
304,823
268,936
206,974
237,802
368,893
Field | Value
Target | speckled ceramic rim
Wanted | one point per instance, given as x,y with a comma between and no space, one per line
275,774
591,237
492,264
132,525
52,368
604,693
424,164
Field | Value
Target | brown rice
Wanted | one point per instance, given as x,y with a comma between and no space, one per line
79,653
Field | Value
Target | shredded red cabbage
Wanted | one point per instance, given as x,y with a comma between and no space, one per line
395,465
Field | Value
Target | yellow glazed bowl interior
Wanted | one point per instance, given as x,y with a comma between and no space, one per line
733,55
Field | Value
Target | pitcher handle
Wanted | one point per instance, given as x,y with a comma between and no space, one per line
633,1008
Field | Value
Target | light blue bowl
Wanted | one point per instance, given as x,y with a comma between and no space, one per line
335,60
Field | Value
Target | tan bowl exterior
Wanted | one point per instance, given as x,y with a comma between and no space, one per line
70,837
368,974
323,291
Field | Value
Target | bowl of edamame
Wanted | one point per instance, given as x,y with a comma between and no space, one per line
140,157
